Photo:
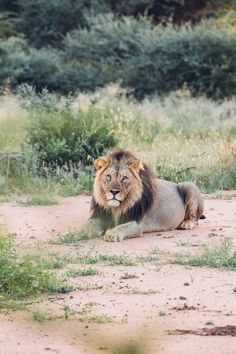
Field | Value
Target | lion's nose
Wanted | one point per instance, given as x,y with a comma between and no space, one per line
114,191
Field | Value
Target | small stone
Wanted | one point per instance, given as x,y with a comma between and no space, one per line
182,298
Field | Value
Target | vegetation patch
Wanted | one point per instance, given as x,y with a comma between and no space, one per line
23,277
38,200
127,275
222,256
73,273
100,319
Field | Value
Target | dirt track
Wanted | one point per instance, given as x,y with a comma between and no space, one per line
161,298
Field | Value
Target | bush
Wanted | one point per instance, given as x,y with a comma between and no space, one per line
21,63
45,22
63,136
147,59
201,58
21,278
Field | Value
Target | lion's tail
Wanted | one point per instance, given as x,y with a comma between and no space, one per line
203,217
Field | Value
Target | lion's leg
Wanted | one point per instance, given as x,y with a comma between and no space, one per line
92,228
194,205
119,233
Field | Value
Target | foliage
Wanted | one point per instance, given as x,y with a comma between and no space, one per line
181,137
23,277
222,256
147,59
45,22
200,58
64,137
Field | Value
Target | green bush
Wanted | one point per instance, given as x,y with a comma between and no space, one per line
45,22
200,57
62,136
146,59
21,63
21,278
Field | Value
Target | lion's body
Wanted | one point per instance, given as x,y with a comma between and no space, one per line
128,201
170,206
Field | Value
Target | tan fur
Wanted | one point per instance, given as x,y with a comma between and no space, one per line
130,168
172,205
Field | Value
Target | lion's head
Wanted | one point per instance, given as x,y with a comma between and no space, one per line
123,187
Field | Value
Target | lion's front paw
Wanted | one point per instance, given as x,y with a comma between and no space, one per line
188,224
113,236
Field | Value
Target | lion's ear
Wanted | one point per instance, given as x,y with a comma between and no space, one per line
136,166
101,162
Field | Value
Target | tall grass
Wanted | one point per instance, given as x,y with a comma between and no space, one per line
181,137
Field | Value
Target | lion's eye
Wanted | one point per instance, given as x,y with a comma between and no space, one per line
124,178
108,177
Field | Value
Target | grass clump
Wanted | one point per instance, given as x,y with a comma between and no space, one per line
39,316
38,200
100,318
127,275
222,256
55,260
23,277
73,273
68,238
110,259
117,260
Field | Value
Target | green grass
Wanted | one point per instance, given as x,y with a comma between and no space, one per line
69,238
22,277
127,275
100,319
182,137
39,316
146,259
73,273
55,260
38,200
109,259
222,256
117,260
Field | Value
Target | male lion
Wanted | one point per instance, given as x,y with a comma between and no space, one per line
128,201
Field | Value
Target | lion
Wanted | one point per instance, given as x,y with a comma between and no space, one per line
127,201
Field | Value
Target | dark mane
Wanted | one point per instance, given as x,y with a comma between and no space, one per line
141,207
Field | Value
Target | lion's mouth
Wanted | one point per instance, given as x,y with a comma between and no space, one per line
113,202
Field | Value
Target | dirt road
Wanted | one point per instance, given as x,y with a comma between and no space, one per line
113,308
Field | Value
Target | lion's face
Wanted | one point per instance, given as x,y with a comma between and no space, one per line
117,183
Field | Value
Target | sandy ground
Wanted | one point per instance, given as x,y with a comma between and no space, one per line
143,310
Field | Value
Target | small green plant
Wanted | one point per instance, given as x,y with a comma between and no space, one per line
68,312
146,259
117,260
162,313
127,275
209,323
100,318
56,260
73,273
68,238
88,259
39,316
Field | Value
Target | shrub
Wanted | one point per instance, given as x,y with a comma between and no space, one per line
63,136
20,278
45,22
201,57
